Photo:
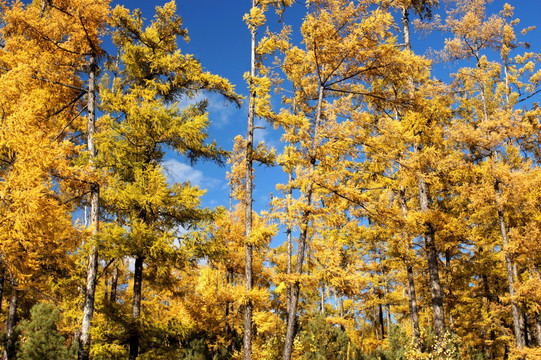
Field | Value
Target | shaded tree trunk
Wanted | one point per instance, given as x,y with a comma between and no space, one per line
2,279
136,307
88,307
9,348
114,284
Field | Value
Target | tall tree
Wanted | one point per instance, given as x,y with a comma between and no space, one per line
258,105
142,116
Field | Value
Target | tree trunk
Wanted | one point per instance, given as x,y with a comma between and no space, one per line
380,320
114,284
436,291
136,307
431,251
322,298
9,348
412,297
88,308
248,257
295,289
289,247
2,279
509,269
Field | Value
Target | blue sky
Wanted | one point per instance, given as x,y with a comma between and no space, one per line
220,40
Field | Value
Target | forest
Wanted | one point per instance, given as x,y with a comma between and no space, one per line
408,225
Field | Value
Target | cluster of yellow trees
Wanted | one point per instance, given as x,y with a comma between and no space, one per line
411,214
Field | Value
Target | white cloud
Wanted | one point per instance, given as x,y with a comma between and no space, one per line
178,172
220,110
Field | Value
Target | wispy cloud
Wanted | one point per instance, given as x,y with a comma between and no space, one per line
178,172
221,111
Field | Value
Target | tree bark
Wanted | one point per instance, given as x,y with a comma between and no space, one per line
9,348
436,291
114,284
295,289
289,247
136,306
412,297
430,246
248,257
88,308
519,336
2,279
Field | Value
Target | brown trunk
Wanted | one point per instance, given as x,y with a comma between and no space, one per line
114,283
295,289
436,291
538,328
380,320
248,257
322,298
88,308
9,348
2,279
136,307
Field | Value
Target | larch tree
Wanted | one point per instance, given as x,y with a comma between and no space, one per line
348,46
45,44
142,118
491,127
258,106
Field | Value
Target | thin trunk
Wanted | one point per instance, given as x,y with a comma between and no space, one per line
248,260
509,269
412,297
322,298
381,322
289,246
538,328
136,307
2,279
431,251
9,348
88,308
376,327
114,284
525,323
436,291
295,289
414,312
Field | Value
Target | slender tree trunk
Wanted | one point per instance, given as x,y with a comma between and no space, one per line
88,308
538,328
9,348
2,279
322,298
436,291
519,336
114,284
381,322
289,246
412,297
295,289
136,306
248,259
